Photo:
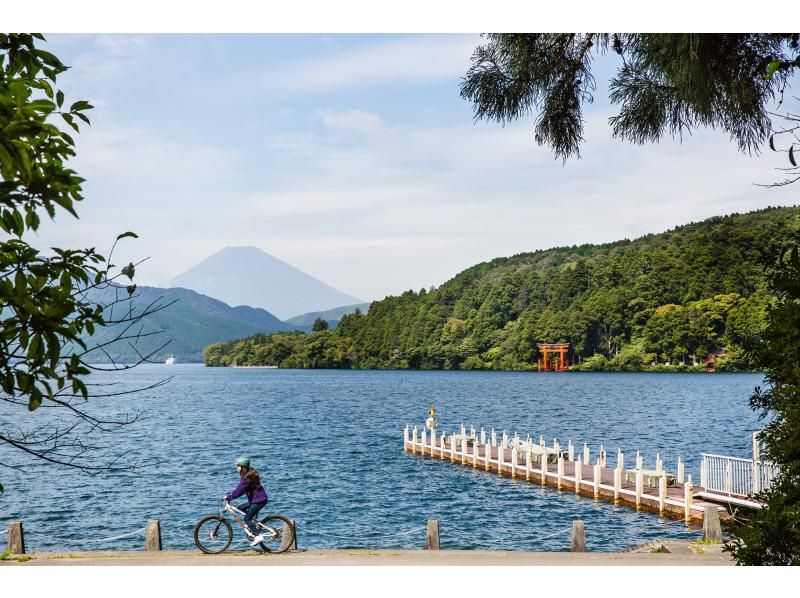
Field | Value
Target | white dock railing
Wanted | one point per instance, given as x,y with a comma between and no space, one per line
732,475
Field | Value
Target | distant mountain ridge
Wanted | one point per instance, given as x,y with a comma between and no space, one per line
331,316
250,276
189,324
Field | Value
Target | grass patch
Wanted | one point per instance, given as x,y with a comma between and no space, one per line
658,549
6,555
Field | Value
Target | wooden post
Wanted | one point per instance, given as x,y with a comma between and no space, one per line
602,456
424,440
681,471
639,485
586,458
505,440
475,453
152,540
543,458
556,446
284,544
500,458
463,429
659,465
494,437
483,435
560,470
578,536
620,459
487,454
578,475
432,535
617,482
712,530
463,450
16,538
528,460
687,499
414,441
597,476
433,441
405,439
471,431
513,462
662,492
453,448
638,460
541,441
570,452
442,447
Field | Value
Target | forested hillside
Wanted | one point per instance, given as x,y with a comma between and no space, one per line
670,297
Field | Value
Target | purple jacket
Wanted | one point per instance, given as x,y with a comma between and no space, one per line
254,495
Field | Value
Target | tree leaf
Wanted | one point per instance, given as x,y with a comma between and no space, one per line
791,156
127,234
771,68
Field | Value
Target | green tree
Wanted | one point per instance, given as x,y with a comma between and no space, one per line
666,84
319,324
772,535
44,311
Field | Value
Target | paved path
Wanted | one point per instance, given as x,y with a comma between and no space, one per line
682,555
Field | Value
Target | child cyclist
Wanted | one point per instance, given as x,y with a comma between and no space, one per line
249,484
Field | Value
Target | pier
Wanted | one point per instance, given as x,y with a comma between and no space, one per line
574,469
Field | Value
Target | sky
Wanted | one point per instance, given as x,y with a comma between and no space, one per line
354,158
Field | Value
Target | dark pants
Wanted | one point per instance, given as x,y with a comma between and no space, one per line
250,511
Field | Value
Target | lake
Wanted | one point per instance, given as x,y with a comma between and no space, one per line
329,443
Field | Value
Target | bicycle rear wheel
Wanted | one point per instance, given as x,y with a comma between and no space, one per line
213,534
278,533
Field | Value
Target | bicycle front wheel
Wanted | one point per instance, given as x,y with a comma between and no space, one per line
213,534
278,534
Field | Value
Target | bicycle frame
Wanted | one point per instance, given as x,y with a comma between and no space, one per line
236,512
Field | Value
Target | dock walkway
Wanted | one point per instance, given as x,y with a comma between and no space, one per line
555,466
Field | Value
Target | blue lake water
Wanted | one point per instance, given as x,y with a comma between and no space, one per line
329,447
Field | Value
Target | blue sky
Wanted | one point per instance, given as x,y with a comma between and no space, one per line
353,158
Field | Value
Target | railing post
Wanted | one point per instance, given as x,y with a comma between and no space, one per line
620,459
639,485
578,475
662,492
463,450
681,471
494,438
433,441
560,472
602,456
475,453
556,446
405,439
500,458
505,440
570,452
453,448
578,536
432,535
728,481
414,441
617,482
443,445
463,429
598,470
152,539
487,454
639,463
543,459
585,453
703,473
528,460
514,462
16,538
687,498
659,465
424,441
483,435
542,442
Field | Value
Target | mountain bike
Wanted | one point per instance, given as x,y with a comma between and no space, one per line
213,533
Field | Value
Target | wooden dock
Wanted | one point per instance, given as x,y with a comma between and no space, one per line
569,470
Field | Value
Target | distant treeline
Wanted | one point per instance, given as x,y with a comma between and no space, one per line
672,297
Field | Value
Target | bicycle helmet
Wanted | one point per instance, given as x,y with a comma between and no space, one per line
244,462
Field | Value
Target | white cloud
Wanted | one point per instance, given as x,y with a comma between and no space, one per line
353,120
408,60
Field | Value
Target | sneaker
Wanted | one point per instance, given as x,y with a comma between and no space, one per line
257,540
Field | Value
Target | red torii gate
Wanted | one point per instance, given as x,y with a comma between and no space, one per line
561,364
